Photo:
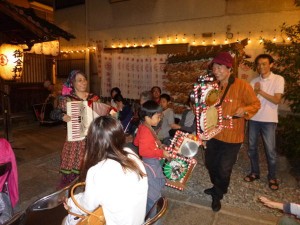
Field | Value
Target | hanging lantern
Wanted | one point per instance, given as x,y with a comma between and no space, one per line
46,48
36,48
11,62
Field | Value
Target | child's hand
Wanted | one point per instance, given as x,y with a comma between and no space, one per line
175,126
162,146
166,154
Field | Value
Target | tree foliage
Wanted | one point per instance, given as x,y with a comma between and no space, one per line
287,64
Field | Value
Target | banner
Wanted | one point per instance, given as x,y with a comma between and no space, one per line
133,74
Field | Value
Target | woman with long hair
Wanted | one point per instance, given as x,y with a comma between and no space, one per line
115,176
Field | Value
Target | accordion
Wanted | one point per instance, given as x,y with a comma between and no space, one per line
81,117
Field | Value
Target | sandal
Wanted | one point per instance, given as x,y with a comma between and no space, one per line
251,177
273,184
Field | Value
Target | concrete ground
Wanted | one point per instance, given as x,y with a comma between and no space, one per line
38,165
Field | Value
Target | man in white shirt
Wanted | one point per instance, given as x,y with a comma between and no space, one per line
269,88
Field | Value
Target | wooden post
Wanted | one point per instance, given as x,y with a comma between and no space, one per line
6,112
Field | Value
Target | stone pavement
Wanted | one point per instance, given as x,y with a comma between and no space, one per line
38,175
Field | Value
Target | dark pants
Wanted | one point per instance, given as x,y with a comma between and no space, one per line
219,160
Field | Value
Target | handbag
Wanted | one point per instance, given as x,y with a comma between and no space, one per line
92,218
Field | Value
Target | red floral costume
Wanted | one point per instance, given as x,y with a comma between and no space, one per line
73,151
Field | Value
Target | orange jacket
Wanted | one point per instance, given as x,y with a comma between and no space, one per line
240,94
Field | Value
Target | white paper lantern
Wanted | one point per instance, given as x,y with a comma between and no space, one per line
46,48
55,48
36,48
49,48
11,61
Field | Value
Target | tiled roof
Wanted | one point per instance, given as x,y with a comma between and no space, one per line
22,26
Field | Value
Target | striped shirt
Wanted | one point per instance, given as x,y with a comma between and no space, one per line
240,94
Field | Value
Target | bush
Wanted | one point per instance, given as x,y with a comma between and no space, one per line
288,136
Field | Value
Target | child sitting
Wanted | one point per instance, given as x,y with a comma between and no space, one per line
167,119
124,111
187,123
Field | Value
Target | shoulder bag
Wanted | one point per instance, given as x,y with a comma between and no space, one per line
92,218
230,82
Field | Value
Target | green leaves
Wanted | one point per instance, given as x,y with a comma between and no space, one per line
287,63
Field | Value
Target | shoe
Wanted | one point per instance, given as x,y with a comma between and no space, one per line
251,177
216,204
209,191
273,184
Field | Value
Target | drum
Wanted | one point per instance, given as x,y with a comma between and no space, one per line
209,123
179,166
177,171
210,96
209,119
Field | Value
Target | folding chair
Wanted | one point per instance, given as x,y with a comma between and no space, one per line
48,210
157,211
126,129
42,114
16,219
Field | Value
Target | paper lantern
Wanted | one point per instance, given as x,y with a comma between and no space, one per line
11,61
46,48
50,48
55,48
37,48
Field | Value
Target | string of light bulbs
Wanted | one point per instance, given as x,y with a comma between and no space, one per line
78,50
185,39
193,40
